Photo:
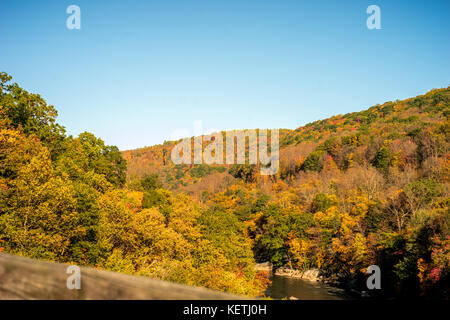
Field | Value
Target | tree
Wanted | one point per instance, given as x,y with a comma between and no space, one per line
382,159
272,235
322,202
243,171
313,162
103,159
30,113
421,193
38,216
150,182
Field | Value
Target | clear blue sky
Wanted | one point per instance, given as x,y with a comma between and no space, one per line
138,70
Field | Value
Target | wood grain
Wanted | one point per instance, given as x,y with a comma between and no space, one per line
25,278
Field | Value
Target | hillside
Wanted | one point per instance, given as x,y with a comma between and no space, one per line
366,188
369,187
351,138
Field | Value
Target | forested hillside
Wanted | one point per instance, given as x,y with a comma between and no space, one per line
364,188
369,187
63,198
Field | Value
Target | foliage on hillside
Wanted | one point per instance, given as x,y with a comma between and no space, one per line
369,187
63,199
365,188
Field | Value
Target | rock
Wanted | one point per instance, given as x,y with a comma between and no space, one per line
265,266
311,275
365,294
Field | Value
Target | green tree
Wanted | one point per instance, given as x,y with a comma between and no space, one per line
322,202
103,159
382,159
30,113
313,161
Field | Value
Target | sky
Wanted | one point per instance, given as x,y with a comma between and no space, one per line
138,71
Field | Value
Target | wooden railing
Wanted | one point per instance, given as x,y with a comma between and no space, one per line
24,278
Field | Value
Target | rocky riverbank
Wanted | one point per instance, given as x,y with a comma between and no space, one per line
315,275
310,275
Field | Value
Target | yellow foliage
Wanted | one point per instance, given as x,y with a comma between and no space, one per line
299,249
422,267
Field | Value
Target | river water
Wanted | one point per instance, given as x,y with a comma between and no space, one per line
286,287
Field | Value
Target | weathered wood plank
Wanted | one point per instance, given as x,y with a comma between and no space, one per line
25,278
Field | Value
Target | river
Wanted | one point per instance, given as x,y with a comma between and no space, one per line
286,287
